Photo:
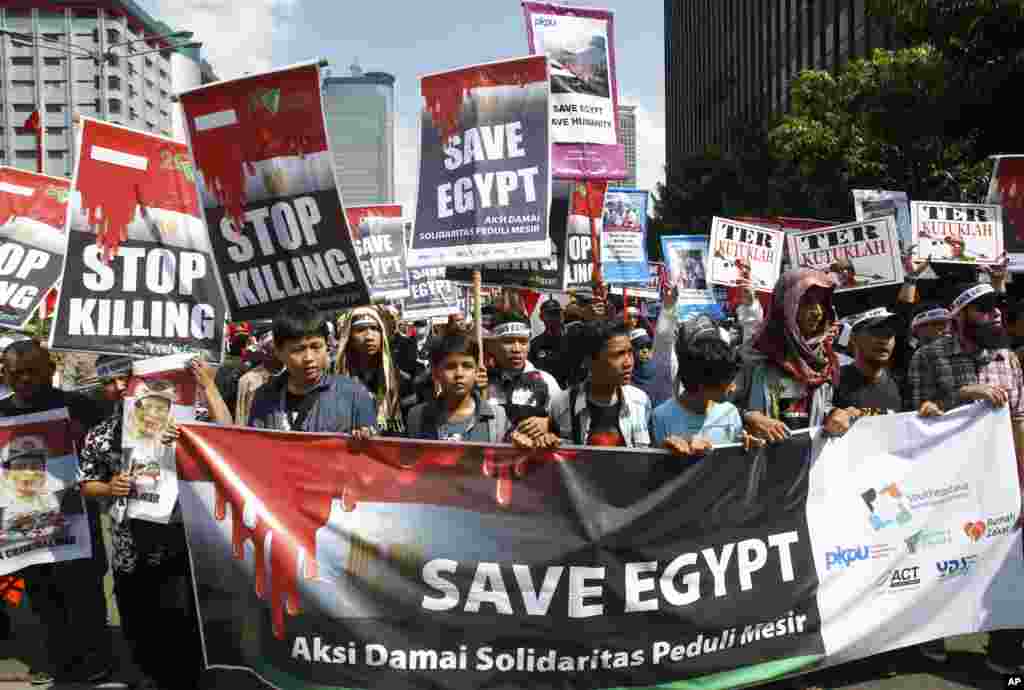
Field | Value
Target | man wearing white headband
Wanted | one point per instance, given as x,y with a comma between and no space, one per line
973,365
524,391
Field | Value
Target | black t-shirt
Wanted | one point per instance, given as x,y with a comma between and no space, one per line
872,397
604,425
292,405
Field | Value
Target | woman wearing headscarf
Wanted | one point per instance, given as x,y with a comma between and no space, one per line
364,353
792,370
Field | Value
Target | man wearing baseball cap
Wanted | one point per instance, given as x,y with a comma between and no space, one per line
975,364
547,349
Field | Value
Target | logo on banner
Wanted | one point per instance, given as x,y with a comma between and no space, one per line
545,21
887,507
957,567
268,99
935,497
900,579
843,557
928,538
991,528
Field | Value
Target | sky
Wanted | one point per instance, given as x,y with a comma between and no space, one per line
408,39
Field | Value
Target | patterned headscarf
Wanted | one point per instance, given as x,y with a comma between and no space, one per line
809,360
389,411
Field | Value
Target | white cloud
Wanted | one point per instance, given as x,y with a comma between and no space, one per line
237,36
650,142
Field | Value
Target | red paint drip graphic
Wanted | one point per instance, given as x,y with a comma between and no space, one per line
279,511
47,202
276,115
446,93
112,192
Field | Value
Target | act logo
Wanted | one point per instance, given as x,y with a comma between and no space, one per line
900,579
887,506
926,539
844,557
957,567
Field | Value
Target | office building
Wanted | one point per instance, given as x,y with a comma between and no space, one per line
85,58
730,62
627,137
360,111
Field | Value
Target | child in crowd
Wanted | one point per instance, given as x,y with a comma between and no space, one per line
707,367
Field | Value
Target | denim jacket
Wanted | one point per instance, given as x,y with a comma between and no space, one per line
343,405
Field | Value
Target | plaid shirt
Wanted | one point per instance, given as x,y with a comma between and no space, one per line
940,369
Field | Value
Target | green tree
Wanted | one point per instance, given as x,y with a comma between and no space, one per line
883,122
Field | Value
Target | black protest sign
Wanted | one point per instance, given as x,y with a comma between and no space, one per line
381,250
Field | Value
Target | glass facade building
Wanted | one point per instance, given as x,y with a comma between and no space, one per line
730,62
360,111
130,90
627,137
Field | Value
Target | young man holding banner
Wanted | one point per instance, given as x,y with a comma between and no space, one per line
305,397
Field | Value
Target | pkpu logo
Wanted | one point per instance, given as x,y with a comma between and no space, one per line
957,567
842,557
887,507
545,21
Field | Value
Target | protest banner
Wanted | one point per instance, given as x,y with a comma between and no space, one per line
42,513
138,275
357,214
686,259
1006,188
424,564
580,45
381,251
268,188
583,224
879,203
33,214
872,247
538,274
160,390
485,175
624,237
652,290
430,295
956,233
743,252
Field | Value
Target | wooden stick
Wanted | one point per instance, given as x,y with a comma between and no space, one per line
478,313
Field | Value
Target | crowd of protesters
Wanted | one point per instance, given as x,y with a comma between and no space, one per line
599,375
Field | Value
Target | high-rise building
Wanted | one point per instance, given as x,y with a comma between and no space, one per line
360,112
90,58
731,61
627,137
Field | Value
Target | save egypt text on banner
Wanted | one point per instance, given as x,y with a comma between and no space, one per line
42,514
485,179
138,276
33,213
320,562
410,565
579,42
160,390
267,183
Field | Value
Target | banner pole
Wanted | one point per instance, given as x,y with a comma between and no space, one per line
595,273
478,313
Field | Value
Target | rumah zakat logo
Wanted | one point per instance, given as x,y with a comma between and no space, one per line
887,507
993,527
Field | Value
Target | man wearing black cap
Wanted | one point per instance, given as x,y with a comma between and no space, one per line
548,348
975,364
867,383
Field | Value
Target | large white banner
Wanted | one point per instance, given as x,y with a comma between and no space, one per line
912,526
